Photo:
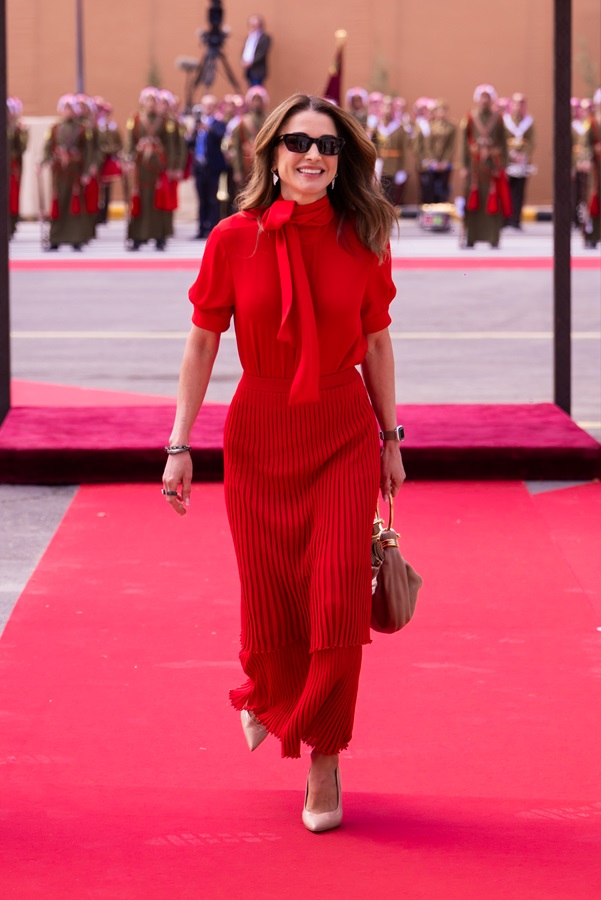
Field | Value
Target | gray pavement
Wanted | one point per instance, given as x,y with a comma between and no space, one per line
29,516
459,337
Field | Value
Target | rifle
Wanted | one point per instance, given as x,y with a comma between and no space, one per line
43,214
126,200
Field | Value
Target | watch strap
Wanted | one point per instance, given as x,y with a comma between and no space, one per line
396,434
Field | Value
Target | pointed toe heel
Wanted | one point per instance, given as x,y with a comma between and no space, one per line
317,822
254,732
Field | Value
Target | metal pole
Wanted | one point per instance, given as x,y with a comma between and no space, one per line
4,282
562,206
79,38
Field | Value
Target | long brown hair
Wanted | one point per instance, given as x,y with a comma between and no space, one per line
357,193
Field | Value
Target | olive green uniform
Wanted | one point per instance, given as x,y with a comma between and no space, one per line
94,155
484,154
519,134
148,143
582,155
17,138
434,153
592,221
68,151
110,144
175,148
392,150
242,144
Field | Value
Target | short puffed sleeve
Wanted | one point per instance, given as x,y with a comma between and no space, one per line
379,293
213,292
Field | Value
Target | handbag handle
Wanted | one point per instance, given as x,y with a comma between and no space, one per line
390,514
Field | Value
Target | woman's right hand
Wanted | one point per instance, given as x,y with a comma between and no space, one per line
197,365
178,477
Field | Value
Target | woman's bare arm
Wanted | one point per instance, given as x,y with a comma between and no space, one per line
195,373
378,373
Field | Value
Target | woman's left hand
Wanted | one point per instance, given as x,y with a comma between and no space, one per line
392,471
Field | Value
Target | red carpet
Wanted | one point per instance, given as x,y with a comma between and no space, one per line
39,394
474,772
74,435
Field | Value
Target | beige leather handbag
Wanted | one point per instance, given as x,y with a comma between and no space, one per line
395,582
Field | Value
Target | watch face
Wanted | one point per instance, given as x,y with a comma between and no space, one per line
401,433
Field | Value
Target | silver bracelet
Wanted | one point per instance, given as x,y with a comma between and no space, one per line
178,448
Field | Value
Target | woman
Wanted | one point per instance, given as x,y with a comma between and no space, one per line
305,269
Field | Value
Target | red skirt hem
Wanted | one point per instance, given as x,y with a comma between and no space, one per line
302,697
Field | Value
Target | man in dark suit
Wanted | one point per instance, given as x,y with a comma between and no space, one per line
254,55
208,162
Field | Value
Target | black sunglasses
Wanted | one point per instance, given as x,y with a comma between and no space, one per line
327,144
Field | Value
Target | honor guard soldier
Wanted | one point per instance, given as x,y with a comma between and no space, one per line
592,217
88,114
243,135
232,111
581,158
439,152
519,133
17,137
67,151
400,112
422,113
357,100
374,112
148,139
111,147
176,147
484,152
392,153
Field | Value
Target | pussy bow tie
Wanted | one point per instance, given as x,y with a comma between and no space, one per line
286,218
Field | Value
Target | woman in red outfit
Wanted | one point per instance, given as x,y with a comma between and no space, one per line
304,268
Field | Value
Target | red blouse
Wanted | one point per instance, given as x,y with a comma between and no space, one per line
303,299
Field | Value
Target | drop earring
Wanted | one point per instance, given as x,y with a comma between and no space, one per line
275,177
333,181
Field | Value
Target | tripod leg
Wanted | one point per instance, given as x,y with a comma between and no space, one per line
228,71
206,71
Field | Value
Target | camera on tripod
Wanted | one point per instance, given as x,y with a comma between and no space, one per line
204,72
214,38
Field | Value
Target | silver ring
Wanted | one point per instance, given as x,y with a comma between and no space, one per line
169,493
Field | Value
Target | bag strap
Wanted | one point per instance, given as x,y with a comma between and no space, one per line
379,518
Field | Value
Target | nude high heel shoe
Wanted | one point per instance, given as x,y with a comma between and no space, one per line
317,822
254,732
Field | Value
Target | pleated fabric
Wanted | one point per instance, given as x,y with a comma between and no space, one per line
301,485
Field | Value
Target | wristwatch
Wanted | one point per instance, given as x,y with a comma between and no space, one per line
397,434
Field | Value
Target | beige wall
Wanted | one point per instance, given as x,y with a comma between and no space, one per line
410,47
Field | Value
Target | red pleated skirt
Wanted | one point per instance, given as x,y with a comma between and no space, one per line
301,486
